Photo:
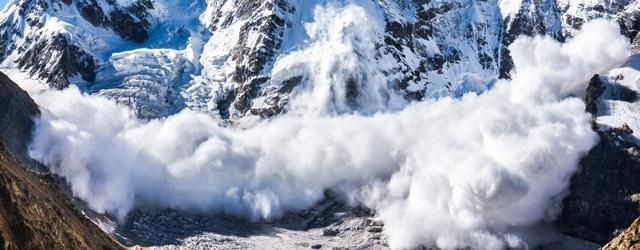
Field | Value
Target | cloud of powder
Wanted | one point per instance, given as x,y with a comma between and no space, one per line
451,173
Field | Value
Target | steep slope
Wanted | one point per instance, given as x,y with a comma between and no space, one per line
59,40
226,57
604,196
250,58
79,42
16,112
34,214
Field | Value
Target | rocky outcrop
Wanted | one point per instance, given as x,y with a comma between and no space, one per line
16,113
55,59
604,196
635,45
34,213
627,240
530,18
594,91
258,29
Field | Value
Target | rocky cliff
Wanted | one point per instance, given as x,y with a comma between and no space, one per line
16,113
34,213
604,196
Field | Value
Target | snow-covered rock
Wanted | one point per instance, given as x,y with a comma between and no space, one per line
619,104
60,40
222,56
148,80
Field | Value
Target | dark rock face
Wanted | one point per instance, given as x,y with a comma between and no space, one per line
63,59
131,23
34,214
533,18
251,60
605,195
630,24
16,113
594,91
635,45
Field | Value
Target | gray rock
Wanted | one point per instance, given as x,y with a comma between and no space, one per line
330,232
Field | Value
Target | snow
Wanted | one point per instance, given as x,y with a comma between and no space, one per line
27,83
397,163
196,47
614,113
209,35
586,10
509,7
151,77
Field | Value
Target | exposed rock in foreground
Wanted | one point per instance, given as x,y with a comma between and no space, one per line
628,240
34,213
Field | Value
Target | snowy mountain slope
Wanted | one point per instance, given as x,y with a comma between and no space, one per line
60,40
440,43
576,13
619,103
397,163
80,42
245,38
222,56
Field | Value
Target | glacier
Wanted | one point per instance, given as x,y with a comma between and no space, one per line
222,54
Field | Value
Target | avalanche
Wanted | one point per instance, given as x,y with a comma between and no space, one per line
478,171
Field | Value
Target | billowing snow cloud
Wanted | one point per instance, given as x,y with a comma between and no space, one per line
453,173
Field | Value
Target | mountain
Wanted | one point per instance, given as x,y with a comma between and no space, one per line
223,57
240,60
34,213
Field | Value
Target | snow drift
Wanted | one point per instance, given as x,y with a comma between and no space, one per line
453,173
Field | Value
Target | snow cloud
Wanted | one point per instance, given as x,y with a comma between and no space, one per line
453,173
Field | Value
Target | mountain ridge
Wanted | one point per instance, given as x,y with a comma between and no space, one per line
218,56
